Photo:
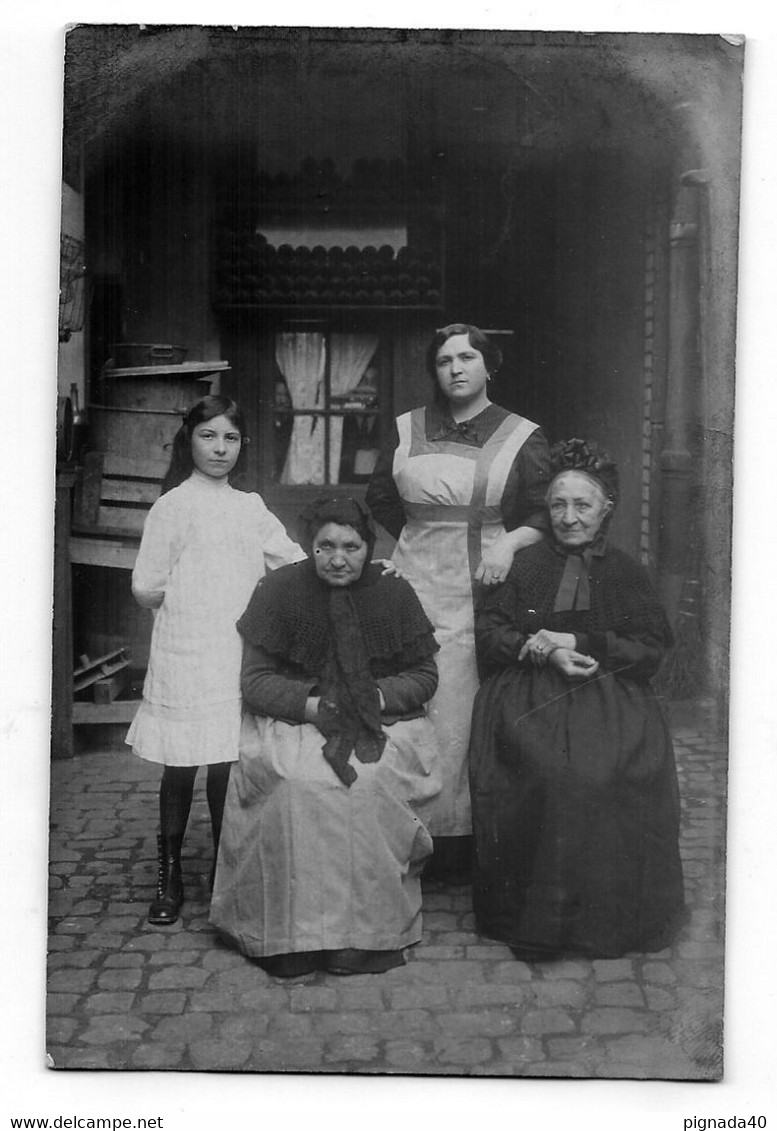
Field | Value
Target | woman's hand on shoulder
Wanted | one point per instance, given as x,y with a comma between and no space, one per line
574,665
495,563
388,567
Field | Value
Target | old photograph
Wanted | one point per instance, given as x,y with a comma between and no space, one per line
393,550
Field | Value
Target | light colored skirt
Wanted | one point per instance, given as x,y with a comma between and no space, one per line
307,863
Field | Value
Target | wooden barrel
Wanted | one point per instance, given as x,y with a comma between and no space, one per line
165,390
140,440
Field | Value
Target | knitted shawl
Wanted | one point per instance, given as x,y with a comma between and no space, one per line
345,637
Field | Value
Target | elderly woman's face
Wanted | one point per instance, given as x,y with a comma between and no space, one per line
577,506
339,554
461,370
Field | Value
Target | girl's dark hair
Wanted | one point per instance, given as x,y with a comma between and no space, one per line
181,462
492,355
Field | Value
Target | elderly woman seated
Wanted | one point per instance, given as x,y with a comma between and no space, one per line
324,839
572,772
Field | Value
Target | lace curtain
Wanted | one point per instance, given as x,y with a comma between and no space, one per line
351,354
301,360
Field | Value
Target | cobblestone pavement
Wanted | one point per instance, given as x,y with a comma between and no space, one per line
125,995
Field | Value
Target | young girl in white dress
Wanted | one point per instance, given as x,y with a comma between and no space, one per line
205,546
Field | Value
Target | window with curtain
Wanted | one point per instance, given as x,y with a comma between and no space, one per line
327,406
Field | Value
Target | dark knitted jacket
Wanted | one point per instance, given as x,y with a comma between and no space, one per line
623,608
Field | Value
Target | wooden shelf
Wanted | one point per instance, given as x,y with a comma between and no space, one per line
119,711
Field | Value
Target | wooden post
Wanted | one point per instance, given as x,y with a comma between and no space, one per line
62,633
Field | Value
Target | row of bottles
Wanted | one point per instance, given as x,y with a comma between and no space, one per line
260,274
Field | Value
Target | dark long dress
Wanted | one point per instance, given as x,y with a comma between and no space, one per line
574,786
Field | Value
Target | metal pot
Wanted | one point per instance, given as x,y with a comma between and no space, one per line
127,355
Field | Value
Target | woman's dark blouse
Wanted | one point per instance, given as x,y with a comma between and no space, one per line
523,498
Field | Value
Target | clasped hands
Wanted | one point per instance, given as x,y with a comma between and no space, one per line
560,649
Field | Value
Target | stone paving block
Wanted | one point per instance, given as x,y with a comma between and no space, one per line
222,960
284,1025
405,1054
67,1057
182,1030
120,979
619,993
81,926
650,1056
432,952
510,972
548,995
243,1026
461,1052
406,1023
63,1004
543,1021
517,1050
118,1002
489,994
486,1023
612,1020
107,941
613,969
158,1055
271,997
579,969
59,1030
71,981
214,1001
178,978
176,957
304,998
165,1002
286,1055
356,1048
659,999
417,997
583,1050
220,1055
659,972
67,959
113,1027
451,973
147,942
490,952
359,997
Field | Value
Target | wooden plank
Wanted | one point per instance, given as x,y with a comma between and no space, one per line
137,467
86,503
119,711
89,664
103,672
97,551
130,490
124,520
106,690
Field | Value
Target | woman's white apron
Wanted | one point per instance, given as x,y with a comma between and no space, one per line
451,493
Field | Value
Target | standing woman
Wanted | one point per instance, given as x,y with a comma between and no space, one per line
461,486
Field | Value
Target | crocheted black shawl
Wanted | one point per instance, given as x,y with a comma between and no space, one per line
346,638
621,597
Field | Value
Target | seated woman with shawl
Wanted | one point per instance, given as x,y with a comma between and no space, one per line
572,771
324,840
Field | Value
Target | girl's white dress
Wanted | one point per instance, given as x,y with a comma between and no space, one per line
205,546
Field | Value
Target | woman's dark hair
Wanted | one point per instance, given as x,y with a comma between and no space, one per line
588,458
181,462
492,355
342,510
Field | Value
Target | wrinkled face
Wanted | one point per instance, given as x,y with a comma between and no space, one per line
215,447
577,508
339,554
461,370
